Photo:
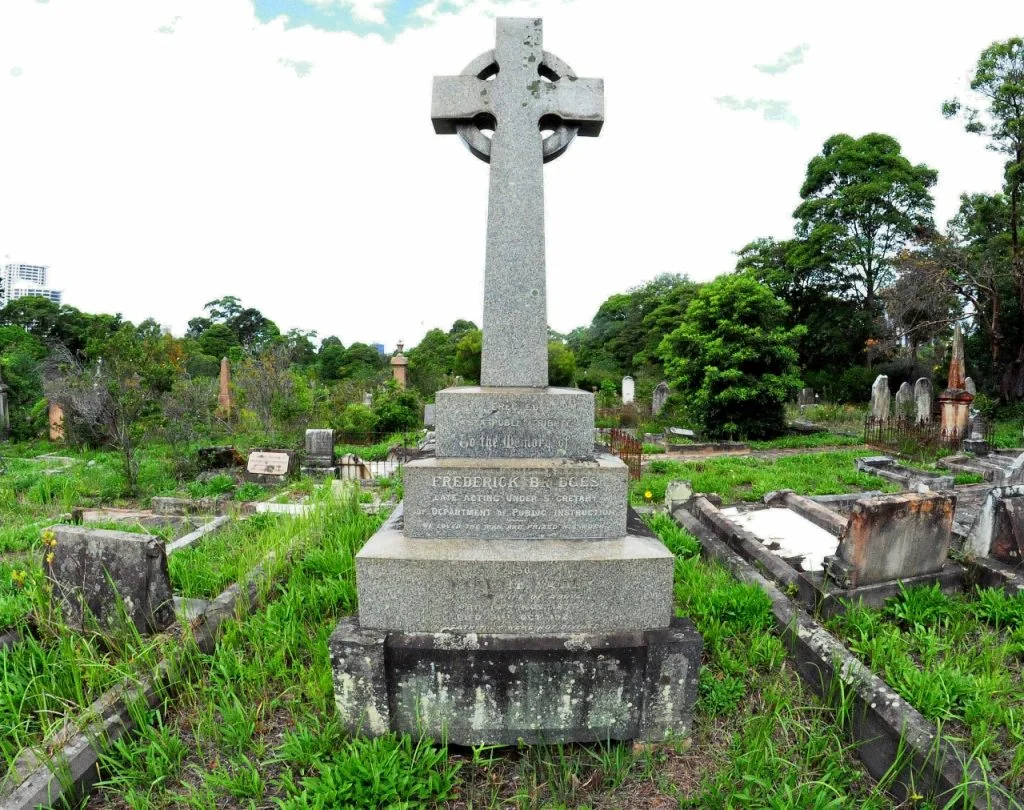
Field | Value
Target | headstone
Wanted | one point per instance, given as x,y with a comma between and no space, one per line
5,414
677,494
659,398
367,399
684,433
508,578
998,529
880,398
628,390
428,416
320,454
1014,474
806,397
955,401
55,417
399,364
270,466
905,408
99,576
923,400
893,537
970,387
224,392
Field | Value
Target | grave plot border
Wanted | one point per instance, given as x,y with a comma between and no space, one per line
808,588
892,738
70,775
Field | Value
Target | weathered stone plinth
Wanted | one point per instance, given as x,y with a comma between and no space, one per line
507,499
512,586
893,537
474,422
104,576
998,530
477,689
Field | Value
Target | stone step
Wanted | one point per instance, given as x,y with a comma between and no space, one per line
512,586
514,499
475,422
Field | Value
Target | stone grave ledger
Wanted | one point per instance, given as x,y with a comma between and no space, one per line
511,584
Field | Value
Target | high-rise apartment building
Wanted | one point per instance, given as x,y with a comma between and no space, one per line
21,280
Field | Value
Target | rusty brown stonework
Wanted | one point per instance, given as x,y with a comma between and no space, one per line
893,537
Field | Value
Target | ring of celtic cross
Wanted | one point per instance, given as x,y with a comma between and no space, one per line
485,66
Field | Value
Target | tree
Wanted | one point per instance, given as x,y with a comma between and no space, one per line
561,364
468,353
862,202
20,356
217,340
999,82
734,359
111,399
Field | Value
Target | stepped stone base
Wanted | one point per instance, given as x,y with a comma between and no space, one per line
515,499
512,586
471,689
475,422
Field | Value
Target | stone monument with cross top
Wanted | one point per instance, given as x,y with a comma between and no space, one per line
511,597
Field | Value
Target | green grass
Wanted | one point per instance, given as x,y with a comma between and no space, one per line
259,727
744,478
379,450
957,660
799,441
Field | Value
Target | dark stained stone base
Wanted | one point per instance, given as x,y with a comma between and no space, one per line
471,689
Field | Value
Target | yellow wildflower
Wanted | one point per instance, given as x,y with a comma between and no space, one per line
648,495
18,577
49,538
49,558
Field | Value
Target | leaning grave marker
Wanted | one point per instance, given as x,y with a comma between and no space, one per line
507,601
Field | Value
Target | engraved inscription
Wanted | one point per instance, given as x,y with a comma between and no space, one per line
515,505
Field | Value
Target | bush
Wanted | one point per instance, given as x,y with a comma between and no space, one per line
735,359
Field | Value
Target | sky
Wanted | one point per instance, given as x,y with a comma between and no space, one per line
159,154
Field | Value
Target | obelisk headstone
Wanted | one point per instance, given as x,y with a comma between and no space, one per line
955,401
224,392
880,398
514,604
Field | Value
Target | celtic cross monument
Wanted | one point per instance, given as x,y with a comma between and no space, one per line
510,598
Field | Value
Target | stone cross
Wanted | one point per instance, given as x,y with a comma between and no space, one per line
529,89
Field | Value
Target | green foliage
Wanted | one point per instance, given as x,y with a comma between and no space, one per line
734,359
356,424
468,353
561,364
862,202
396,410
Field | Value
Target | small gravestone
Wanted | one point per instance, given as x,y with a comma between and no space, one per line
628,390
683,433
923,400
367,399
806,397
659,398
998,530
905,408
970,387
428,415
270,466
893,537
320,453
880,398
106,576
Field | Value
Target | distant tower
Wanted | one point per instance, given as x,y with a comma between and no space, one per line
22,280
398,366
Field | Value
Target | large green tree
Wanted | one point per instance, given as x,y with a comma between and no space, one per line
863,201
734,359
998,87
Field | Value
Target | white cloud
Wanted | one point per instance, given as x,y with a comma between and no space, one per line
155,173
371,11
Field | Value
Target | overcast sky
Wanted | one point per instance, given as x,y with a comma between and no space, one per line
158,154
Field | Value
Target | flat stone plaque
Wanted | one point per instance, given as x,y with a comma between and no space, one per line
507,499
474,422
263,463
